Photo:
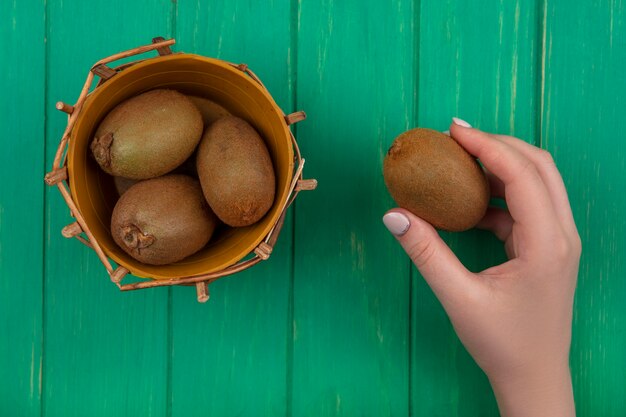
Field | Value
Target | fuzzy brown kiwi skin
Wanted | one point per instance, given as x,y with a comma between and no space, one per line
236,172
147,135
162,220
432,176
210,110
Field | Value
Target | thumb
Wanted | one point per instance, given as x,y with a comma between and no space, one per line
439,266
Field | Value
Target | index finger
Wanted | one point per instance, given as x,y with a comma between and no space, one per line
526,194
550,176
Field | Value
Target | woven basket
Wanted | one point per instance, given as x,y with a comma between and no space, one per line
89,192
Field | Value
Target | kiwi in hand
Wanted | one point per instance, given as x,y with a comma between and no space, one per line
432,176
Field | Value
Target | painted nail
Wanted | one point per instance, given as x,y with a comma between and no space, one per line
446,132
460,122
397,223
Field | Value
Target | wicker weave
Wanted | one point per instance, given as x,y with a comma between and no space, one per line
79,229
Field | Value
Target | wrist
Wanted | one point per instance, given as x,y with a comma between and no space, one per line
543,392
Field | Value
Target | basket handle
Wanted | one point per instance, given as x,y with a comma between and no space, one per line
159,43
105,72
101,69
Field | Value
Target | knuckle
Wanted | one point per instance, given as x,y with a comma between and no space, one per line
561,249
545,157
421,252
565,249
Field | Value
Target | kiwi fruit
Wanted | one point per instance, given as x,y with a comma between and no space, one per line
122,184
147,135
210,110
235,171
432,176
162,220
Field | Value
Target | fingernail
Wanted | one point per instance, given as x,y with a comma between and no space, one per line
397,223
460,122
446,132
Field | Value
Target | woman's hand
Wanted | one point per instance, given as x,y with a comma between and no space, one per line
514,318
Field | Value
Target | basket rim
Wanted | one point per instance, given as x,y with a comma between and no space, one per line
285,135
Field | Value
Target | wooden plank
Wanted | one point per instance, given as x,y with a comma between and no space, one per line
478,63
230,355
584,103
21,205
351,288
105,351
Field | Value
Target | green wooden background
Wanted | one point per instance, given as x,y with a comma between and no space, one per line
337,322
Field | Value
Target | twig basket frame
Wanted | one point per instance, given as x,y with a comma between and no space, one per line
80,230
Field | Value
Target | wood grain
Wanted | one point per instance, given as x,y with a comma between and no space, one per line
336,322
351,288
105,352
229,356
583,108
21,206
